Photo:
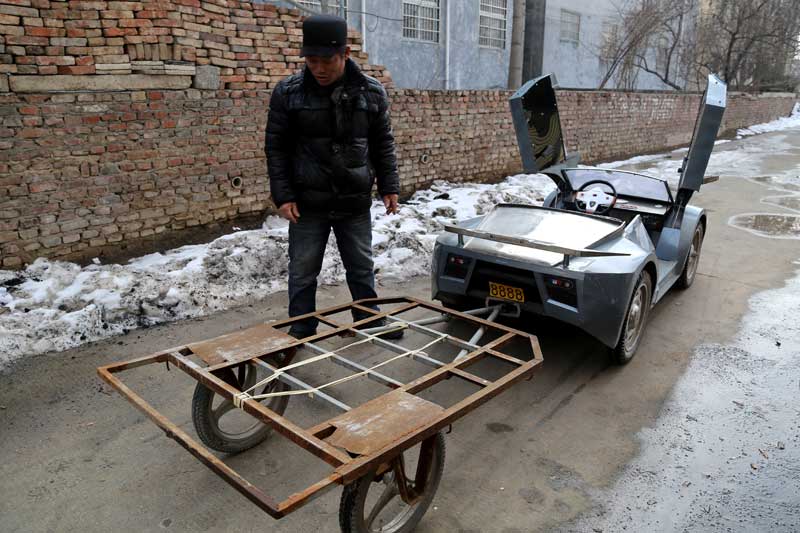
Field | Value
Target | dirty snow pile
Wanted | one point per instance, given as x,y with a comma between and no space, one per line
54,305
783,123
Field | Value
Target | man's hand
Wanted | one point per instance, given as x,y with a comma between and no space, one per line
390,201
289,212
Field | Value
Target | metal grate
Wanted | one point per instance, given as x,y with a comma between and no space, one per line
421,20
492,24
335,7
570,26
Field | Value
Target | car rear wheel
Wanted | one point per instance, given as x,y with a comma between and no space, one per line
692,259
635,321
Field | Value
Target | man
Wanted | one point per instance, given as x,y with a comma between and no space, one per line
328,137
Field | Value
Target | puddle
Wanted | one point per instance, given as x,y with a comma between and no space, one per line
774,225
768,225
778,183
789,202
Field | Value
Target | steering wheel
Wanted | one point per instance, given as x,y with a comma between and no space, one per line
595,200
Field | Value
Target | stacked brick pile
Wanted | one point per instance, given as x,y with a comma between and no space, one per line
255,44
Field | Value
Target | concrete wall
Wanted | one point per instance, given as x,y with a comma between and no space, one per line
579,65
423,65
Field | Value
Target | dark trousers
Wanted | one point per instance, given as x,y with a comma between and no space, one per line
307,240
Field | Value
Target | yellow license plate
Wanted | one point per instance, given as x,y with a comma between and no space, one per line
505,292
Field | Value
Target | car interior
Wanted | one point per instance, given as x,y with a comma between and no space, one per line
618,194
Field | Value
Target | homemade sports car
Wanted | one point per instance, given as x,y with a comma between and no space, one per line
603,248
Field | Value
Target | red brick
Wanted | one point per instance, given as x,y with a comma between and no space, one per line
84,69
55,60
44,32
32,133
11,20
118,32
135,23
27,40
84,60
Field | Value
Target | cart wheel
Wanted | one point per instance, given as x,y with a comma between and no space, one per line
373,503
635,320
692,259
223,427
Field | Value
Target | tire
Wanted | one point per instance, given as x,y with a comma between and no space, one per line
692,259
229,439
638,309
352,517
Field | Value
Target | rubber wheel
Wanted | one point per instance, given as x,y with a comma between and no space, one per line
635,321
388,513
223,427
692,259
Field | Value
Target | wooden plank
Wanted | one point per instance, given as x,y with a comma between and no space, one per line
381,421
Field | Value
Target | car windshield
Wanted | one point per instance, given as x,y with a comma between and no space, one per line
626,183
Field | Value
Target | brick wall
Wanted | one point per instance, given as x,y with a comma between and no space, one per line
80,171
85,171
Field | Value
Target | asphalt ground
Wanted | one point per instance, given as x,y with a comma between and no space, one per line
75,456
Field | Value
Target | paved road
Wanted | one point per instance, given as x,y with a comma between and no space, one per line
76,457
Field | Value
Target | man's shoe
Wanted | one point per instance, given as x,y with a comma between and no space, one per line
388,335
394,334
301,334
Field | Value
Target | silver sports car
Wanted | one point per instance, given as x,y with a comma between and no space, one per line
602,249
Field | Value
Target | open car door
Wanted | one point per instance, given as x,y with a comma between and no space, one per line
706,126
534,111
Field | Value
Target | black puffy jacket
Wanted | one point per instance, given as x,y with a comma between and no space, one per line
325,149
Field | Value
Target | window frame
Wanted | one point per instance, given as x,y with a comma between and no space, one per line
577,24
316,5
485,12
422,4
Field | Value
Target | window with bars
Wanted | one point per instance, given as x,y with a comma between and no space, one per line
421,20
609,44
570,26
662,53
316,5
492,25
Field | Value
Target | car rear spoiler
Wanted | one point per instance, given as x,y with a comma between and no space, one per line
529,243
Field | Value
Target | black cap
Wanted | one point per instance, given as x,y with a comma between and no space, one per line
324,35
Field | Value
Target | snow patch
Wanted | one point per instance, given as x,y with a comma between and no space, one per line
55,305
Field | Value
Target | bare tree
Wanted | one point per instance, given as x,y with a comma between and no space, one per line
750,43
649,27
672,43
638,20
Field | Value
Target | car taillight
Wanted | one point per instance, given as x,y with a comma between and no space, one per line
457,266
562,290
